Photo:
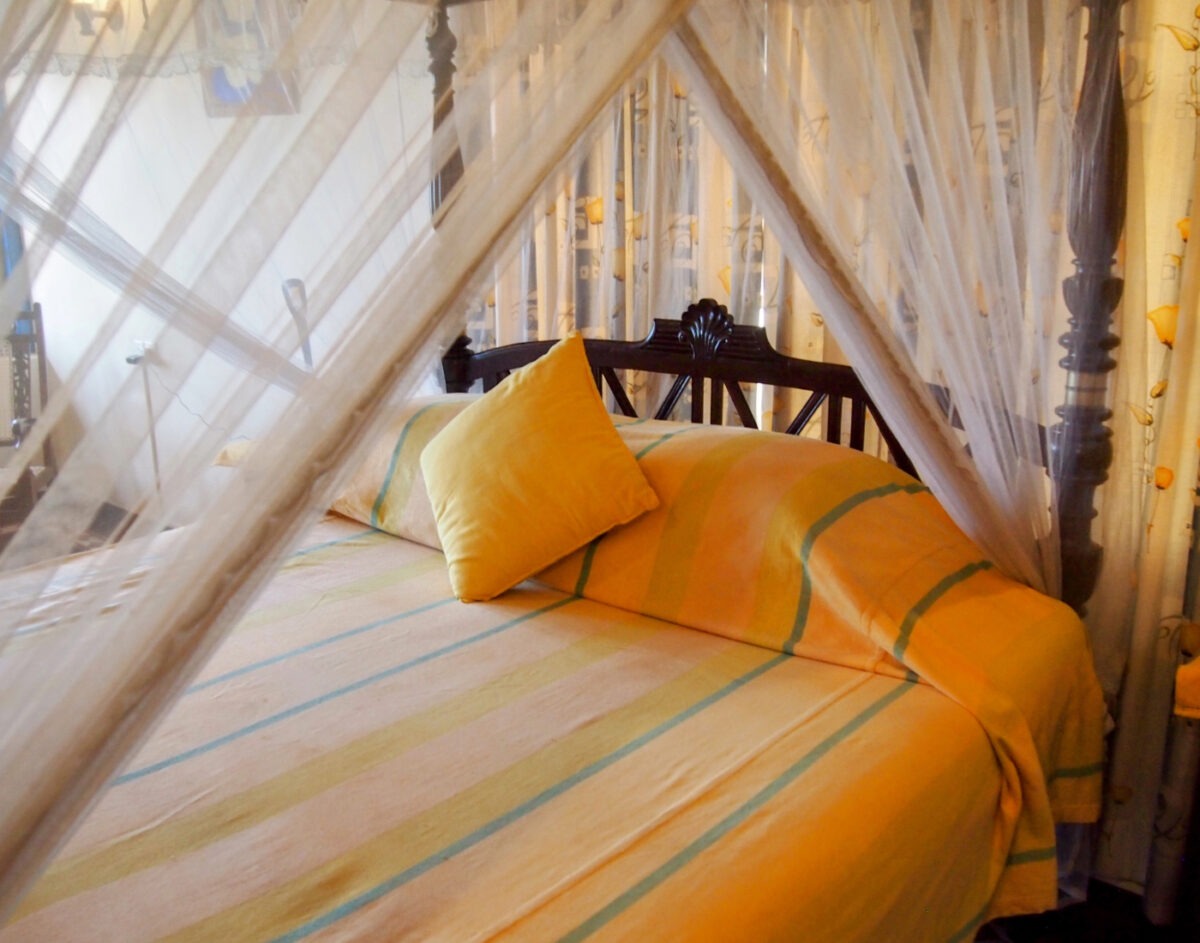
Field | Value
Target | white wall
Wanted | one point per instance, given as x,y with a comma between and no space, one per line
143,198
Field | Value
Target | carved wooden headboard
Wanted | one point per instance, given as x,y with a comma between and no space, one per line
703,350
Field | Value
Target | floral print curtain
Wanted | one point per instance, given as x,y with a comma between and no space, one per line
1140,615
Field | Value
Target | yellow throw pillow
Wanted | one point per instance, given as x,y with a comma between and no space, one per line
529,472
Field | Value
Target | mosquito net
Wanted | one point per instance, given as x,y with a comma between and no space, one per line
260,220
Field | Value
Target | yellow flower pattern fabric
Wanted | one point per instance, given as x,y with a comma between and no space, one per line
1187,689
1165,319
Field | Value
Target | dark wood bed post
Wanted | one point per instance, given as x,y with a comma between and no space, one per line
1081,443
441,43
456,366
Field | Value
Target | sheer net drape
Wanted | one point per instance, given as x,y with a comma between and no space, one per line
910,158
650,221
1147,508
155,212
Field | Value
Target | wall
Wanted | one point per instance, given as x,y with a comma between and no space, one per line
164,188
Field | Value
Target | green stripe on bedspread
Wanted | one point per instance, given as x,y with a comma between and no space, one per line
311,703
968,929
314,646
1076,772
814,532
377,507
195,829
334,542
517,812
732,821
923,605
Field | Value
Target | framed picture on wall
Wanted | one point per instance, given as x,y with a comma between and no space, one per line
241,42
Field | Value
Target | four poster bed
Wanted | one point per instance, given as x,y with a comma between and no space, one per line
759,701
764,706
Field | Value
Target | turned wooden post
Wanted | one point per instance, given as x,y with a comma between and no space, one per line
1081,443
441,44
456,365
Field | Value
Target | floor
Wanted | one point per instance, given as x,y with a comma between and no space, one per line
1109,916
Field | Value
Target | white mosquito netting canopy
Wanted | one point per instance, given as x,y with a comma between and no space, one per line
226,220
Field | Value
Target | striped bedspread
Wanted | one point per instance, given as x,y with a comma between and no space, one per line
367,759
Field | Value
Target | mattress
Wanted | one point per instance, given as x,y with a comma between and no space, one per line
365,758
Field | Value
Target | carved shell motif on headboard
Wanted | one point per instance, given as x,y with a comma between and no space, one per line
706,326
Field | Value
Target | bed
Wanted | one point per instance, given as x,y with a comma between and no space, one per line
763,708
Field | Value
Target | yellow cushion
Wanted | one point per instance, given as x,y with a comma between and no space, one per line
529,472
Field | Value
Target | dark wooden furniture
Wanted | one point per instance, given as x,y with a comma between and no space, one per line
26,345
706,352
441,43
1081,448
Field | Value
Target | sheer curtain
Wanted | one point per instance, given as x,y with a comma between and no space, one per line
163,214
910,159
650,220
1147,507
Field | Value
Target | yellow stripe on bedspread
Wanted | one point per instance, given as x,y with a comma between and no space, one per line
538,767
